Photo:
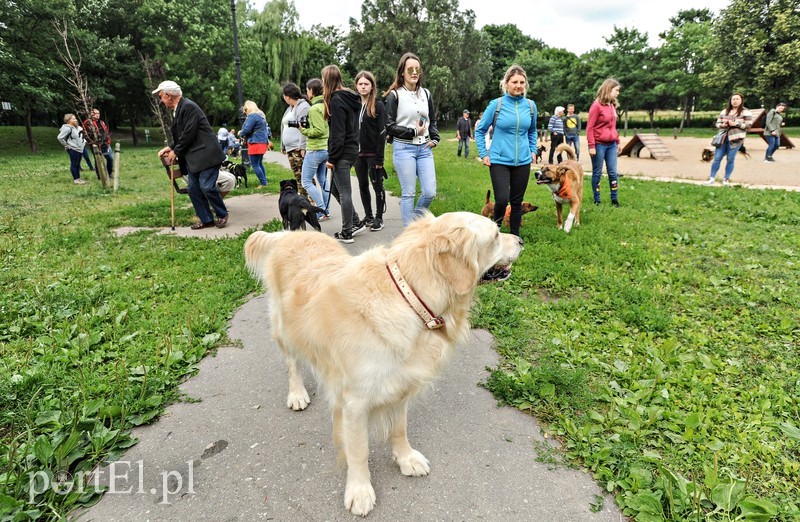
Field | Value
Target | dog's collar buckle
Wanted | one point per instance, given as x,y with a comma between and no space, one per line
413,300
435,323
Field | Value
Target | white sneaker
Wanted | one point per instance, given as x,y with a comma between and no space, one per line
725,182
709,181
79,181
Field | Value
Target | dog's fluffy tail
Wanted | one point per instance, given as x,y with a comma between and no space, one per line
565,147
257,250
488,196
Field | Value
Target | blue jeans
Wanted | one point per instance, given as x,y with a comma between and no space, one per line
314,165
575,141
464,143
109,154
203,191
773,142
86,156
604,152
75,163
258,168
725,150
412,162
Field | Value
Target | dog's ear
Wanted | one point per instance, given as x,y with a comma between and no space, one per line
456,259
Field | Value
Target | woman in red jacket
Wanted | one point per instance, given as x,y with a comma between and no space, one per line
603,138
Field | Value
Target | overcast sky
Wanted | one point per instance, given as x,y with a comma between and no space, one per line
575,25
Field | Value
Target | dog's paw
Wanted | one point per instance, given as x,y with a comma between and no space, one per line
298,400
414,464
359,498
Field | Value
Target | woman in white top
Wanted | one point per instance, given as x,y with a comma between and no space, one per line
293,142
411,124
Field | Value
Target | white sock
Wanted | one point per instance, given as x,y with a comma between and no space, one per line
568,223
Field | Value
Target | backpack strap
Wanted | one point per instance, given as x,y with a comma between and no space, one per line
500,104
497,112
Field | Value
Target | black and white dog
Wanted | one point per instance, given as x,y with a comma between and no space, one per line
296,210
238,170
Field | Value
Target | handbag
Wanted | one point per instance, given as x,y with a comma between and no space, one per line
719,138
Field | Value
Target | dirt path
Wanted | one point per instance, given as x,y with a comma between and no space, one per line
784,173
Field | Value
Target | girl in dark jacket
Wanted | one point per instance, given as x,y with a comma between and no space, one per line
372,139
341,110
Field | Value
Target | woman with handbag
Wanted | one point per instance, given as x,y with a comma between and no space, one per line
256,130
734,121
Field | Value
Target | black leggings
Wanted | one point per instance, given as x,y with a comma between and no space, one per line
555,141
509,185
341,191
365,171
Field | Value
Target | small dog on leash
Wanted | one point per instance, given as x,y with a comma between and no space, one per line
540,153
296,210
238,170
488,209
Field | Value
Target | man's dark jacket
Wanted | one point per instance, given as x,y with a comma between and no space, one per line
194,142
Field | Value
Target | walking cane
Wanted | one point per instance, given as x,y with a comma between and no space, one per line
171,175
172,199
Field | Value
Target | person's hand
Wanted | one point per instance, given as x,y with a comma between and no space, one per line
378,166
487,161
458,136
431,144
592,151
163,152
329,165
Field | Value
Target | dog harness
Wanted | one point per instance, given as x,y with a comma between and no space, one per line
562,193
411,297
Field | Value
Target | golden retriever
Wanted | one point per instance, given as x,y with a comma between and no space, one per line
346,316
565,181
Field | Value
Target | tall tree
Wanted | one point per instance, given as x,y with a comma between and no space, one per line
506,44
30,72
757,50
684,57
633,63
454,54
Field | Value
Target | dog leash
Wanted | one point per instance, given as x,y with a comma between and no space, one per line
413,300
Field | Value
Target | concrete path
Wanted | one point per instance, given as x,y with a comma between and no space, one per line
237,453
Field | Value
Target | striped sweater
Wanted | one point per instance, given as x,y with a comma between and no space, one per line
737,125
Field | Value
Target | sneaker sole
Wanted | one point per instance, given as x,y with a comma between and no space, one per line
358,231
376,229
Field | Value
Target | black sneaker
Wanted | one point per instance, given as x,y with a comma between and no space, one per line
345,236
367,222
358,228
496,273
615,203
377,224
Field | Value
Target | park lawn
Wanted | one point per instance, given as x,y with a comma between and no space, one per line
657,341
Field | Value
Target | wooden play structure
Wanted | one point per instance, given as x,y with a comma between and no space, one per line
759,119
652,142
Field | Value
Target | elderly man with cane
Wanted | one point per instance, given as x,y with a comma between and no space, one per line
195,146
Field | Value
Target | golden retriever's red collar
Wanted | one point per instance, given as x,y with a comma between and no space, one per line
413,300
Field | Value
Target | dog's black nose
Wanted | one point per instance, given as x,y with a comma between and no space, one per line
538,174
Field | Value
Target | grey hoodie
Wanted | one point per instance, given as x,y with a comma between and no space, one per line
71,137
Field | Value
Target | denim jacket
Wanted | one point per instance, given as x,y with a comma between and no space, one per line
255,129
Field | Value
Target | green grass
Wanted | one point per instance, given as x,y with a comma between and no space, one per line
657,341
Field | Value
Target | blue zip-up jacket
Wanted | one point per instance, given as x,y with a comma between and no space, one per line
514,136
255,129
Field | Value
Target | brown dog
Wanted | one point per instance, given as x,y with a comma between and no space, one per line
565,181
488,209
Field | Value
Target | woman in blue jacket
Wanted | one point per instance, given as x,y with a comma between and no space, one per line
513,119
257,132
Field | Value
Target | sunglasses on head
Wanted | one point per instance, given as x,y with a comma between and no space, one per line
414,70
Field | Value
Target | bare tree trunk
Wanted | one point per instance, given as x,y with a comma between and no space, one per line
29,131
133,128
153,70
